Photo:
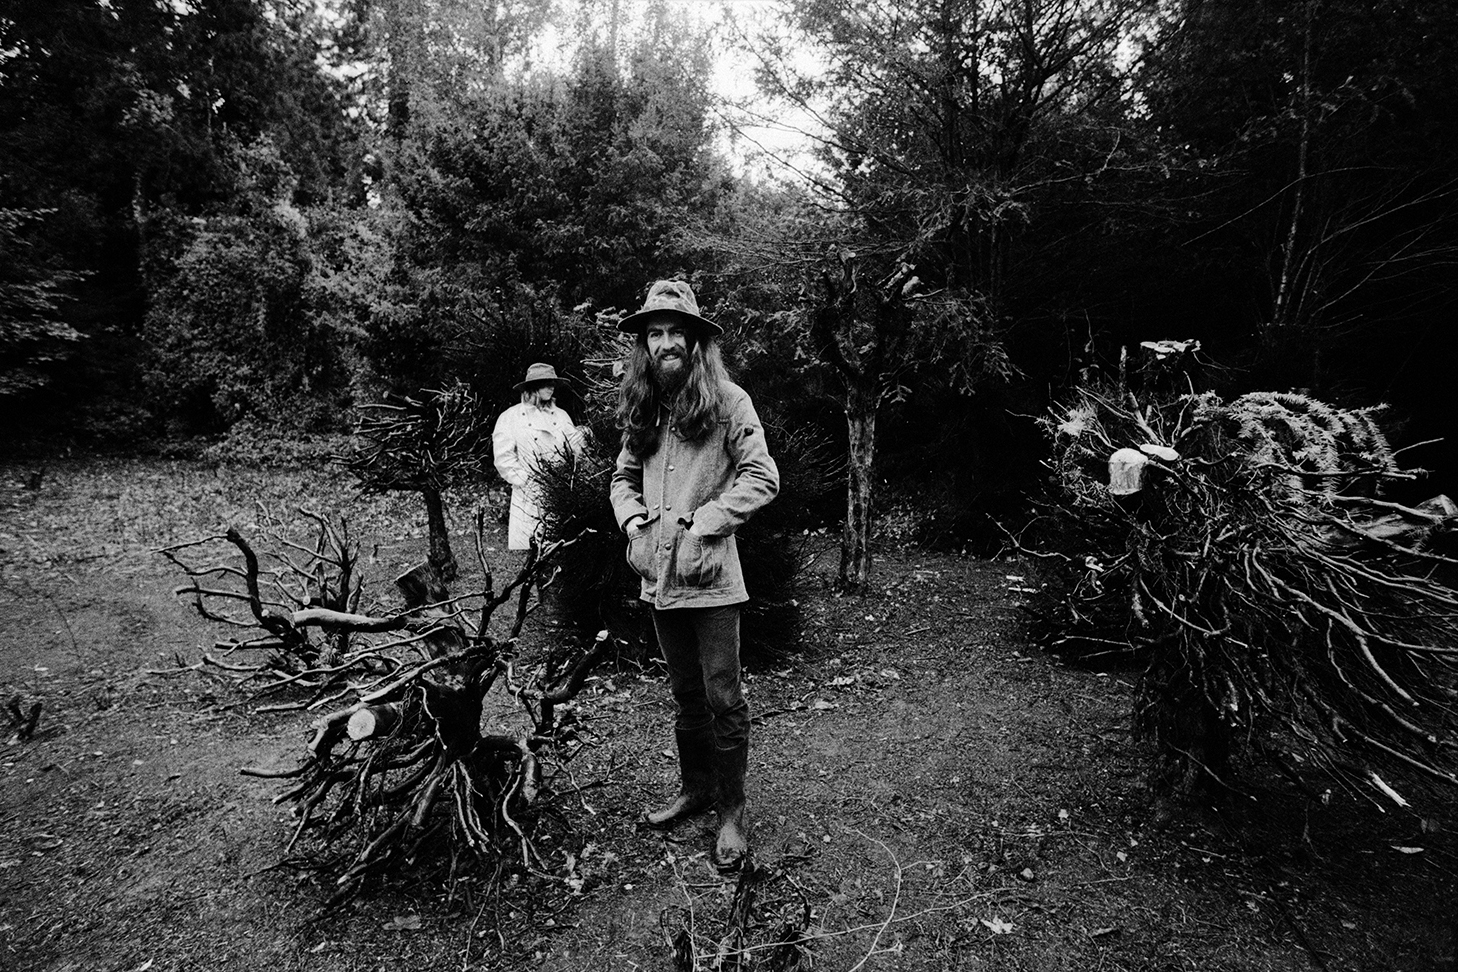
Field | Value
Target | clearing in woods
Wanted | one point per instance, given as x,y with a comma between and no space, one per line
929,791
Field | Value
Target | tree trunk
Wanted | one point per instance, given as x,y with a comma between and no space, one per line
139,214
440,556
401,23
1287,302
855,543
422,584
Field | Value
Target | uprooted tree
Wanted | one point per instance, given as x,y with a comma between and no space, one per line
1245,556
398,767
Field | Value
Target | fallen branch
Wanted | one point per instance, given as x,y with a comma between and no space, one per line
23,721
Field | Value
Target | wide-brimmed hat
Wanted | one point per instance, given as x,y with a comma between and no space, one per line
539,374
674,298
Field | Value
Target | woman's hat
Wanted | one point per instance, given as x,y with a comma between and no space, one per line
539,374
674,298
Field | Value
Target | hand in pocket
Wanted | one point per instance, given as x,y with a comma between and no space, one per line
640,551
699,560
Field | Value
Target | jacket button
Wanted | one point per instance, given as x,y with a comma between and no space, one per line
670,467
668,507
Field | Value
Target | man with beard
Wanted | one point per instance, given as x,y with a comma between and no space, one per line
693,468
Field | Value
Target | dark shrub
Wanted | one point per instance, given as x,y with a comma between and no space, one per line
598,589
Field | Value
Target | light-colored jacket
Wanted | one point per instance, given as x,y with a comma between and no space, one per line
715,484
526,437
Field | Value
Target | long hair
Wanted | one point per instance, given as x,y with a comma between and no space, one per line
696,407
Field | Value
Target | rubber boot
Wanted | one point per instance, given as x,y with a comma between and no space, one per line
732,845
696,772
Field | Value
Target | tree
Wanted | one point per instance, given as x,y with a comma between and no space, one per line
34,334
976,147
423,444
412,57
130,103
871,332
1325,134
403,772
126,118
235,329
580,182
513,206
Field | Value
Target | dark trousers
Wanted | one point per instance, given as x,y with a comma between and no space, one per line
701,646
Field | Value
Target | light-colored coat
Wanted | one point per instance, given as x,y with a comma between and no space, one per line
716,484
526,437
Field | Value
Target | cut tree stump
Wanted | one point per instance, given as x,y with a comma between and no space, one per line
373,720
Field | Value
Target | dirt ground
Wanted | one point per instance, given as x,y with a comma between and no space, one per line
929,791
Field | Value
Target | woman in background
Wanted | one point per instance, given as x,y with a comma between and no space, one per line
528,436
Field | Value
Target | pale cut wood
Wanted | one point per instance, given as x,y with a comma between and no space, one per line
372,721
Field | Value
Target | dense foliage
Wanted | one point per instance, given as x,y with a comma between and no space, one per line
1085,176
34,336
258,214
235,328
128,121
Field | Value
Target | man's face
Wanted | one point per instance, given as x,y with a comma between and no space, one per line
668,349
544,394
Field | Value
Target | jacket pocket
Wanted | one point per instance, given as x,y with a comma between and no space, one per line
640,551
700,560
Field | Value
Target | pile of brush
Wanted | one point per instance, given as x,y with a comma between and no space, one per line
1246,559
